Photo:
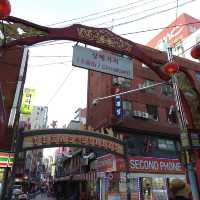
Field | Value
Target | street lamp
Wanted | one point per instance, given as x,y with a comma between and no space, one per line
5,9
171,69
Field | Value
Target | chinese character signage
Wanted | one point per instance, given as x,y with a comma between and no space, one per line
27,101
50,140
118,106
102,61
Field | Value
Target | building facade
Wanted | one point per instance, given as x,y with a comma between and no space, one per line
148,122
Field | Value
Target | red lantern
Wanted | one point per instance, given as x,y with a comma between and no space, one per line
171,68
195,52
5,9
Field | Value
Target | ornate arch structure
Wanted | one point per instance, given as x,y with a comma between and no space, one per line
21,32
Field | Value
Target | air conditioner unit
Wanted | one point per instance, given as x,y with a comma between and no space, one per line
140,114
145,115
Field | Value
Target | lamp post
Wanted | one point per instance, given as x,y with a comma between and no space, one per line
171,69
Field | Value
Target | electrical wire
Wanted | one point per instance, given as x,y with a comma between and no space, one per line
96,13
159,28
47,64
60,86
149,15
117,12
138,13
124,23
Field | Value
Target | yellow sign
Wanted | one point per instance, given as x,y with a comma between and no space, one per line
27,101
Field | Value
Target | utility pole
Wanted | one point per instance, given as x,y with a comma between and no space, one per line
185,144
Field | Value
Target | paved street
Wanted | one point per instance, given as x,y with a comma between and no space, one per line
38,197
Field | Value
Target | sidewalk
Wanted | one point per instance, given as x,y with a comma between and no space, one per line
38,197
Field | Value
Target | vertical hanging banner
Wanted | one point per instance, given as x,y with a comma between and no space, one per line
102,61
27,101
118,106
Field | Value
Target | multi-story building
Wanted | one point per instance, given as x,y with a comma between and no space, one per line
149,123
32,166
39,117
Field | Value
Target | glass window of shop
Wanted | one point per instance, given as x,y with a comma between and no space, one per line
153,188
164,144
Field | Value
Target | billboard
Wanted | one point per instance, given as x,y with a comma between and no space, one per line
27,101
102,61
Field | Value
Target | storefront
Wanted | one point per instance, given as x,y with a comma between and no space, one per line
6,162
148,177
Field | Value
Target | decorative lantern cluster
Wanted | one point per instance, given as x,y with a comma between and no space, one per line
5,9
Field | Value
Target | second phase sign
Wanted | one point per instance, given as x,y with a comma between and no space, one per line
102,61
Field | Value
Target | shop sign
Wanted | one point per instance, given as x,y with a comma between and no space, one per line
102,61
50,140
118,106
155,165
27,101
106,163
6,159
152,165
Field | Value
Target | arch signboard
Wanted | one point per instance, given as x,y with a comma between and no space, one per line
47,138
107,40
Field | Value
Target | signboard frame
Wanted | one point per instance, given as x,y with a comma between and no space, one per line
46,138
102,61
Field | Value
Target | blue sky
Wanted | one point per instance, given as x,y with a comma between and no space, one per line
47,79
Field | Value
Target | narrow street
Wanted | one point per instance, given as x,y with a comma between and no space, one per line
38,197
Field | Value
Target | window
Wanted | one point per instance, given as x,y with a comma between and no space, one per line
166,145
123,82
171,115
198,76
167,90
148,83
178,48
152,110
127,107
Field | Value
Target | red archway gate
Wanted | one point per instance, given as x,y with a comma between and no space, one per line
107,40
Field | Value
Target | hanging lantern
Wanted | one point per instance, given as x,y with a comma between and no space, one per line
171,68
5,9
195,52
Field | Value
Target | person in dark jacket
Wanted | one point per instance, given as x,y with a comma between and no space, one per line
179,190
